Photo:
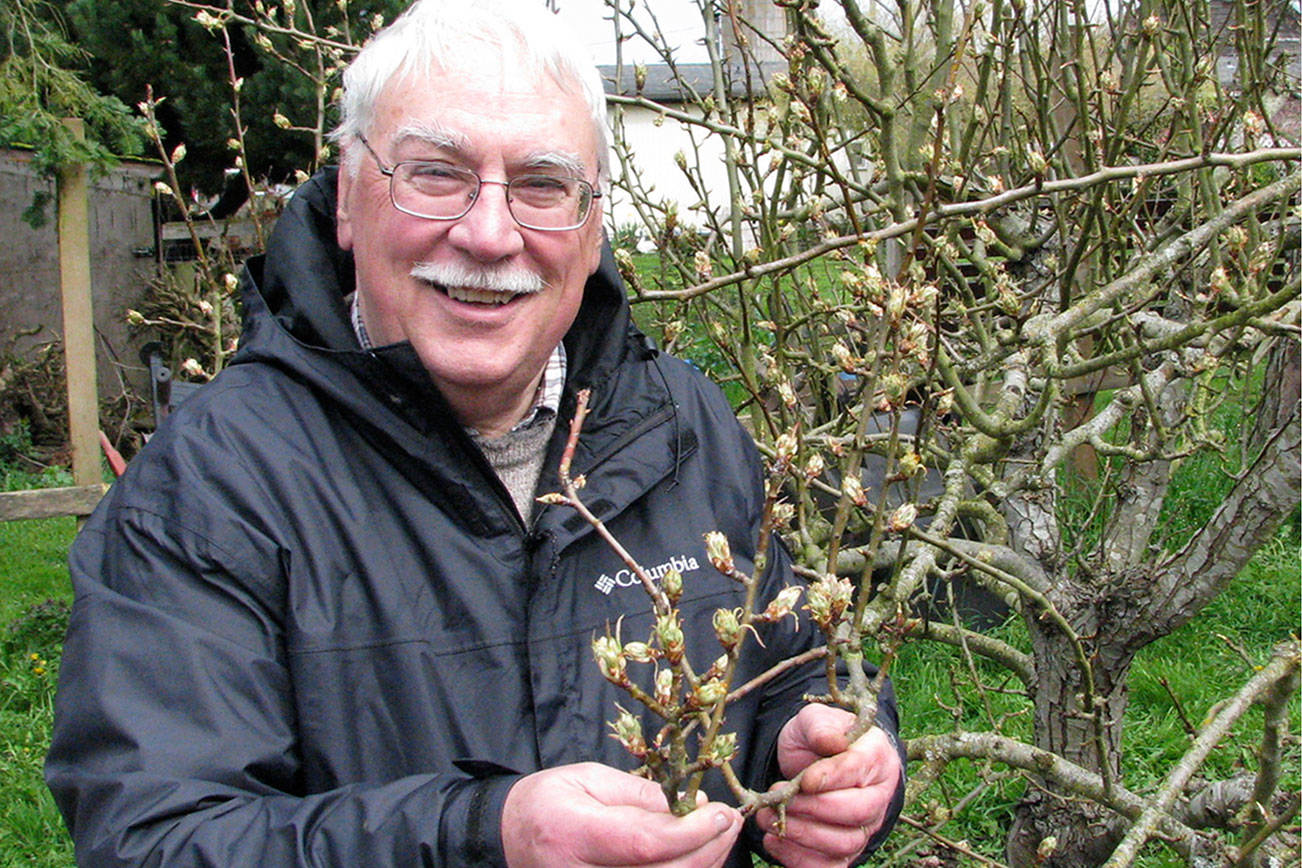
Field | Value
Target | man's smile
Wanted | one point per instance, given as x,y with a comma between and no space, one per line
478,286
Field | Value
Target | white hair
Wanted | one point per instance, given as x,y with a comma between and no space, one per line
450,35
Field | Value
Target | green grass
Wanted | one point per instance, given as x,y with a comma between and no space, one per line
34,595
1202,664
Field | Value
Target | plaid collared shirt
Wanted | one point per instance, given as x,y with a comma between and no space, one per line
546,401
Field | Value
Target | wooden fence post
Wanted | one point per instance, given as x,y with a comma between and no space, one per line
78,318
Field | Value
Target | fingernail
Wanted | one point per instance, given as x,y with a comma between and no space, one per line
722,821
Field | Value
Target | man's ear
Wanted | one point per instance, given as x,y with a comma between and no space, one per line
343,225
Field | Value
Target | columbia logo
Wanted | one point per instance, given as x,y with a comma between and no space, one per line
626,578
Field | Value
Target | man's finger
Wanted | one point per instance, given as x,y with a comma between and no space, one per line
870,761
634,837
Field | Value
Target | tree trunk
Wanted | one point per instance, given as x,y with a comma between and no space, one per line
1083,834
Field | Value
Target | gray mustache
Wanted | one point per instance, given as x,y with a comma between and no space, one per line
513,281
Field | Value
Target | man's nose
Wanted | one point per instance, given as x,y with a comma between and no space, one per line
487,231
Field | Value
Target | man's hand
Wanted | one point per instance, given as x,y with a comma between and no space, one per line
590,814
843,796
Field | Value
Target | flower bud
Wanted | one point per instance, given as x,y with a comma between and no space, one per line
192,368
727,627
783,514
710,693
902,518
718,551
610,658
628,732
844,358
852,488
788,394
670,635
639,652
672,585
664,690
723,748
782,604
827,600
785,447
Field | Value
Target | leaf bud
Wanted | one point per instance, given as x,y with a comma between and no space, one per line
911,464
192,368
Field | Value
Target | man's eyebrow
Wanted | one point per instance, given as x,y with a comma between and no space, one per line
430,134
571,164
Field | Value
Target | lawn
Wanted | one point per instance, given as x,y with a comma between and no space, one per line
34,594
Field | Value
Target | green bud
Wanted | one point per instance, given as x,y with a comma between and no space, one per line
610,658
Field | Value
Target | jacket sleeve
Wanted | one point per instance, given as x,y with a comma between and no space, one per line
174,738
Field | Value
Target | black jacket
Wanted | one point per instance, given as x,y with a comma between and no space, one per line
311,628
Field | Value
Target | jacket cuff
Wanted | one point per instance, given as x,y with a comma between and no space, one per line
472,824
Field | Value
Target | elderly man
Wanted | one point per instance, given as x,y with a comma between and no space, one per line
322,619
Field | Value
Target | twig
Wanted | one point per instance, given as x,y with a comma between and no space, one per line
956,846
1283,665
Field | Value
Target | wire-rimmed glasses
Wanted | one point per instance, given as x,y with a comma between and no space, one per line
436,190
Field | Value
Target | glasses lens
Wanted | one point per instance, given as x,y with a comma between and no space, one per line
432,189
549,202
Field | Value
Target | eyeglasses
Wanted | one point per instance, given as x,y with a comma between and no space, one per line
436,190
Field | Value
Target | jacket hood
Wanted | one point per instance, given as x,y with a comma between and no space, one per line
295,304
